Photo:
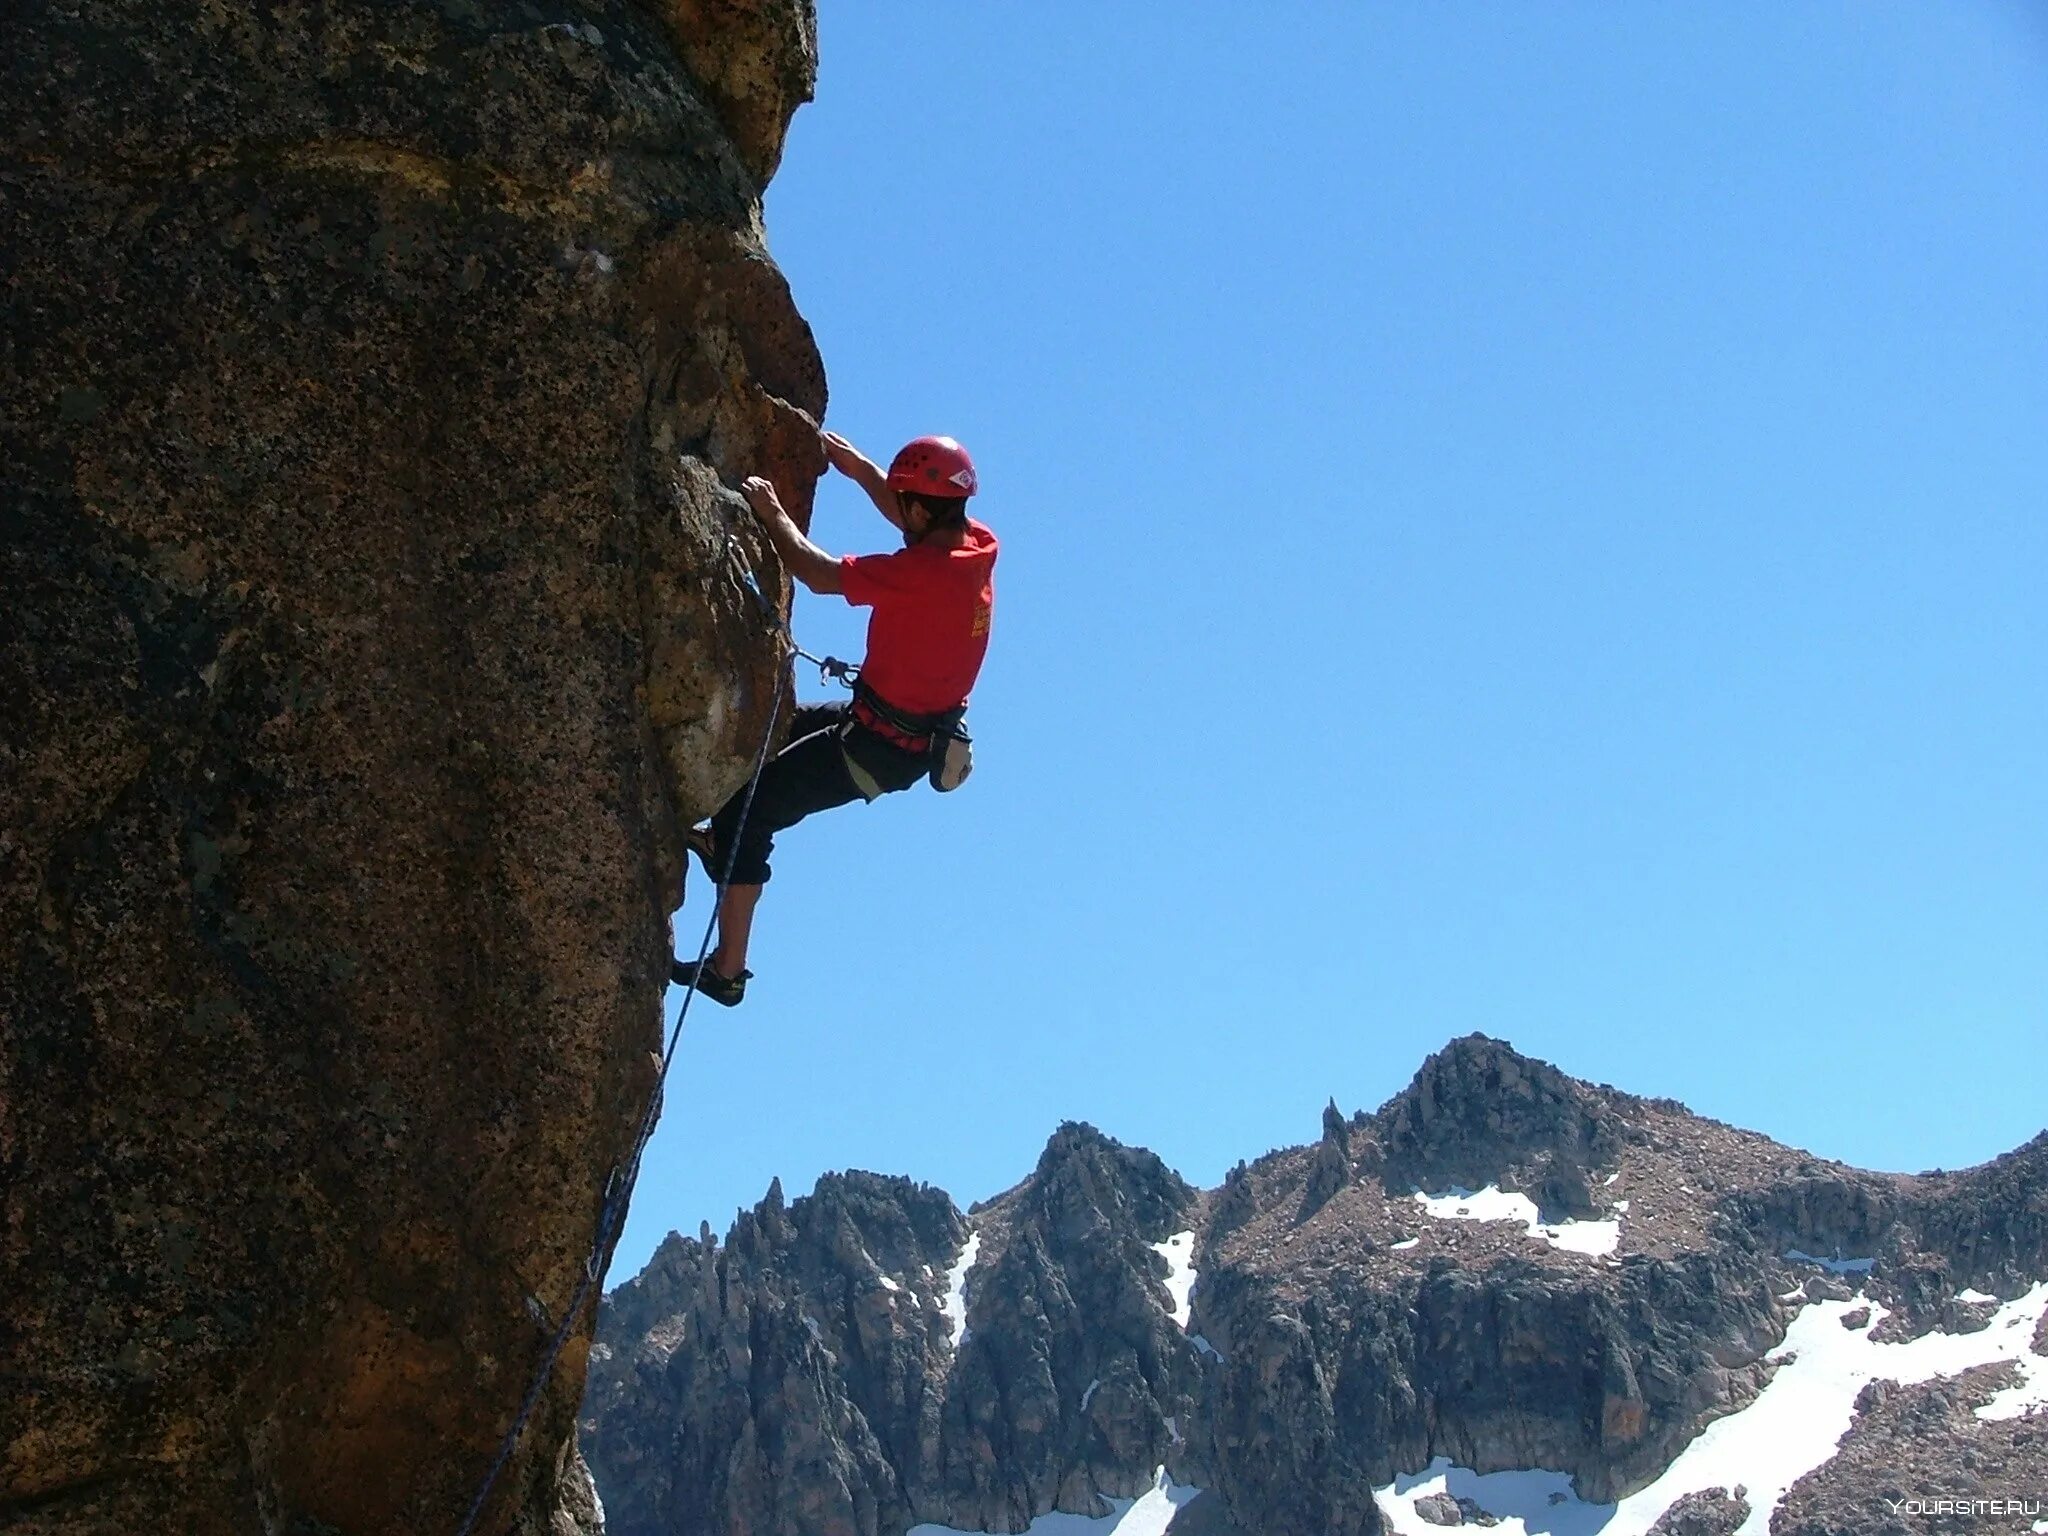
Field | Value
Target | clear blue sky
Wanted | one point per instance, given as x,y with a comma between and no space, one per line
1526,519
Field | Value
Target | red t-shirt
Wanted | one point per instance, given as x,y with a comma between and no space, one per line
929,630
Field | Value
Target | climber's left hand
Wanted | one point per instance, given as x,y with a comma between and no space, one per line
762,498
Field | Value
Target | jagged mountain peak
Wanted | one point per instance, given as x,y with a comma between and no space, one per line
1060,1316
1478,1110
873,1222
1085,1178
1337,1128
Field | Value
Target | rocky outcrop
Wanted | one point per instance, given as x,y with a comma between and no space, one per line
1497,1366
795,1362
1929,1235
1490,1344
370,380
1709,1512
1918,1459
1477,1115
848,1365
1074,1380
1503,1268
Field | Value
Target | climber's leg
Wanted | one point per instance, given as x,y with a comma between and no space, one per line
814,782
810,774
723,976
806,776
735,927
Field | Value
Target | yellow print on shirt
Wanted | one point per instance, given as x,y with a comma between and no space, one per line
981,617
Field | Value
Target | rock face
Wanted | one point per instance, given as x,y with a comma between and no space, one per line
1593,1279
1915,1452
369,379
795,1290
848,1365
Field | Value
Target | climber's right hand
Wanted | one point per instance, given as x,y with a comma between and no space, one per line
854,464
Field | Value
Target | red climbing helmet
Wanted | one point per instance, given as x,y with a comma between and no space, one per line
937,466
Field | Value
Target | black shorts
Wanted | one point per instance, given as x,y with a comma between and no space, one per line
810,774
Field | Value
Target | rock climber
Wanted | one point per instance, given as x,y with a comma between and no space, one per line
928,632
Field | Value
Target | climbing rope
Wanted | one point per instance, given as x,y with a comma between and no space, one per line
618,1189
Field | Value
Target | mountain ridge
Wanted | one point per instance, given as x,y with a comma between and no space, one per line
1502,1268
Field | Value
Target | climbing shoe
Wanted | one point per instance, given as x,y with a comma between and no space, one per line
724,990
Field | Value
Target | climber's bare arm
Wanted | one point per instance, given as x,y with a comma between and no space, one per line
807,563
863,472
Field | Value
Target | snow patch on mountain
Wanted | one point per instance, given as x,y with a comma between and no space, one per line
1524,1502
1148,1515
2030,1393
1792,1427
1180,1274
956,1289
1596,1238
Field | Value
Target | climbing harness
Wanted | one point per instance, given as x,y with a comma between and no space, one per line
944,736
618,1189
